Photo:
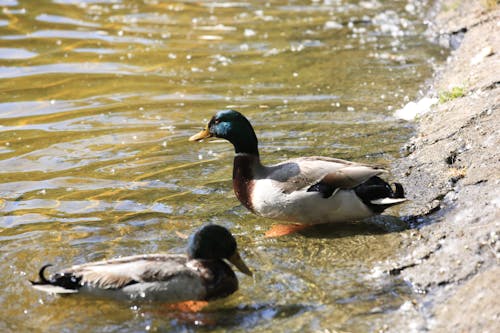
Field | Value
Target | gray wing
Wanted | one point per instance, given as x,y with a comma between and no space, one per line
301,173
118,273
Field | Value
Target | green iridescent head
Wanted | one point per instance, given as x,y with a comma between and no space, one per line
214,242
232,126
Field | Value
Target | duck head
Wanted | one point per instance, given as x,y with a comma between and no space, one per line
232,126
213,242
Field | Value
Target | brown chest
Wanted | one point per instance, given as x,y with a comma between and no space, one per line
243,180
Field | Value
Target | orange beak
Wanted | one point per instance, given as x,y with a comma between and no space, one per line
201,135
236,260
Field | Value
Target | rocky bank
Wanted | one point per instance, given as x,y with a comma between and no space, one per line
451,172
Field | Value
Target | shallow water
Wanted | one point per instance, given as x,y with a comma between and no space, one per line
98,100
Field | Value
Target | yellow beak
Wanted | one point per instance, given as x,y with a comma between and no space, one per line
236,260
201,135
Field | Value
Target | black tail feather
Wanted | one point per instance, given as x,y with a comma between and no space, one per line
41,276
400,192
66,280
376,188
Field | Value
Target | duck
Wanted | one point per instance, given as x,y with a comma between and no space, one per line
305,190
200,275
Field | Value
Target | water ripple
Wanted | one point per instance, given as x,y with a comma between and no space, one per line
16,53
33,108
81,35
14,190
83,206
64,20
32,218
86,2
9,3
75,68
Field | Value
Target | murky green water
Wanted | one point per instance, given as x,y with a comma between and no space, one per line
98,99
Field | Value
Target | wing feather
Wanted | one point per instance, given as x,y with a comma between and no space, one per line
121,272
301,173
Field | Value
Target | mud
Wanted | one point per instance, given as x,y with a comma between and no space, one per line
451,172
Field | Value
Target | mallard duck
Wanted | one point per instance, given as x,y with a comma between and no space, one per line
202,274
305,190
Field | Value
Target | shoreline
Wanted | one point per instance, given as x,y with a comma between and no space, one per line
451,173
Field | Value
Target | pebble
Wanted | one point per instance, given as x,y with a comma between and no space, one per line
481,55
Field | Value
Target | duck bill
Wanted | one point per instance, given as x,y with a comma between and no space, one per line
201,135
236,260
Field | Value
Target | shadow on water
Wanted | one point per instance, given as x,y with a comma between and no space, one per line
378,225
242,316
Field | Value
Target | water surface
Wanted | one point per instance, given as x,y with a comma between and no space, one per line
98,100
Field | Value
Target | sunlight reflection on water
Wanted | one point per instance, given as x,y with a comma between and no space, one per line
99,98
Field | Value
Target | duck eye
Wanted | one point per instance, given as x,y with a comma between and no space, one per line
217,121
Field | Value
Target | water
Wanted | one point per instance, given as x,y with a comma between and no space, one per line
98,101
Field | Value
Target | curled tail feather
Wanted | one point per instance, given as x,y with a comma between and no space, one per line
41,276
378,194
399,193
57,284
